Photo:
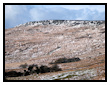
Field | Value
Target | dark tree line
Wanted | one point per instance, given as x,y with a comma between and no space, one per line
33,69
42,69
65,60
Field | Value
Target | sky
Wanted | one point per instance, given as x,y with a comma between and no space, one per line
20,14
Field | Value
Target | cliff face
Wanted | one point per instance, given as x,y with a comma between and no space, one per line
42,42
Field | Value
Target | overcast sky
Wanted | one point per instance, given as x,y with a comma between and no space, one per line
19,14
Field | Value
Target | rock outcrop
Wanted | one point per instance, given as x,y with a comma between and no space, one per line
61,22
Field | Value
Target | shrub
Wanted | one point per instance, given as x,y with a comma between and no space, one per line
34,69
55,68
65,60
25,73
24,65
44,69
61,60
13,74
73,59
37,71
30,68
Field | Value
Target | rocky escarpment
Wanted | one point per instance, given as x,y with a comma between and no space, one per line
43,42
61,22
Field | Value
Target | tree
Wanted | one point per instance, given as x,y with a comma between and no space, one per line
30,68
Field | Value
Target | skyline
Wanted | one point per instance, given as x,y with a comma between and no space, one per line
20,14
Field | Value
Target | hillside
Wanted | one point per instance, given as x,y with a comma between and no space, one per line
43,42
